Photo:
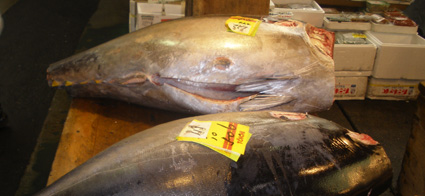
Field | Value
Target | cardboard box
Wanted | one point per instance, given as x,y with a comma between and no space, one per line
399,56
350,85
334,25
354,57
313,17
392,89
143,14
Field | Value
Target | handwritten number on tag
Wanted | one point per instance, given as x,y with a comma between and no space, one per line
214,134
197,130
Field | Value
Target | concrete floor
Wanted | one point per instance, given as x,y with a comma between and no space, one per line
39,33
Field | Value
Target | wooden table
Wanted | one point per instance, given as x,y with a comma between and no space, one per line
93,125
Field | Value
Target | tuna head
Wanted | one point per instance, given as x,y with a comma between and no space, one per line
195,65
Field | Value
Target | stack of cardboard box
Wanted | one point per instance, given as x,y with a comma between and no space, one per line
353,60
391,64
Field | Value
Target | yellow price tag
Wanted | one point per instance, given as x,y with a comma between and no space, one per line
359,35
243,25
227,138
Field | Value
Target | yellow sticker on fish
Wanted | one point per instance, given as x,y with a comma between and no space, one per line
226,138
243,25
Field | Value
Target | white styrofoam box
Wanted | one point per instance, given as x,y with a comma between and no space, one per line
399,56
313,17
350,87
154,8
392,89
144,20
333,25
151,13
272,5
354,57
390,28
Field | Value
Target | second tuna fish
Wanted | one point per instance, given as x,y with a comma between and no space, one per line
287,154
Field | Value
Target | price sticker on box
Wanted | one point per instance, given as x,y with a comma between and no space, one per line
227,138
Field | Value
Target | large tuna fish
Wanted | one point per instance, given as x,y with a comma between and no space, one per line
287,154
196,65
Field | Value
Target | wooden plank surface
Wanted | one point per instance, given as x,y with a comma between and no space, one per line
93,125
230,7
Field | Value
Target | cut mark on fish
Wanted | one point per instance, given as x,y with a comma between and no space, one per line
222,63
361,137
288,115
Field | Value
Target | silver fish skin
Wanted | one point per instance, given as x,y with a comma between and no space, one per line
285,156
195,65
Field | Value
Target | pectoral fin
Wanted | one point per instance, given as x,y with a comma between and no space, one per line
264,101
